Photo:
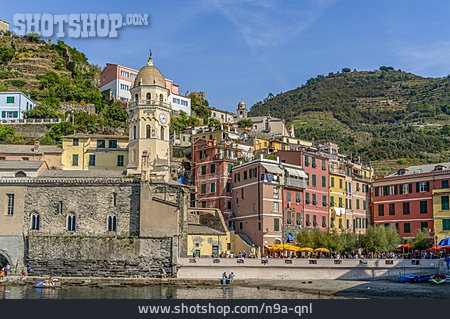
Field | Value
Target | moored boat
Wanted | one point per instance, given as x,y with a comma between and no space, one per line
407,277
438,278
50,283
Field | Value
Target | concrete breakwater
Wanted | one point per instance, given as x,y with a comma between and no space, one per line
303,269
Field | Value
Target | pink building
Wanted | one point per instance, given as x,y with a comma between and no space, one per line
316,203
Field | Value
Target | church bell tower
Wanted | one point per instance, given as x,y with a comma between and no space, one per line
149,114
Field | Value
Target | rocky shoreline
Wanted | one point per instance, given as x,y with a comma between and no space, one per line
339,288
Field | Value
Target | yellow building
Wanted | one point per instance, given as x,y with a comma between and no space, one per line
208,234
260,143
441,212
276,145
89,152
337,193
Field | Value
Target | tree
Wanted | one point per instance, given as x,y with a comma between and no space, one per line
245,123
422,240
304,238
214,123
393,238
386,68
346,70
57,131
6,132
115,115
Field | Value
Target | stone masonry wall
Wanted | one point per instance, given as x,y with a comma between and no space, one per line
99,256
91,204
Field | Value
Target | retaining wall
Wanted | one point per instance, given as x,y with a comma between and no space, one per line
301,269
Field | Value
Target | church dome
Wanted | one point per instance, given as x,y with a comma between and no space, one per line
149,75
242,105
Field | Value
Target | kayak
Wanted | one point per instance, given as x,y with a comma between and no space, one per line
407,277
55,283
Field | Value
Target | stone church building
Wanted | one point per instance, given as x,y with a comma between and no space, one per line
101,223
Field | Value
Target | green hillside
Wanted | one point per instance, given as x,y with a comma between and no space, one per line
54,74
388,117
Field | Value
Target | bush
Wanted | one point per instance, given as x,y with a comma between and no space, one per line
56,132
17,83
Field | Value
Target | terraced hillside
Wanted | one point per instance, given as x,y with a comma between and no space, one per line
388,117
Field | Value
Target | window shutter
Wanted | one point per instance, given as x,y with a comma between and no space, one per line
417,187
3,113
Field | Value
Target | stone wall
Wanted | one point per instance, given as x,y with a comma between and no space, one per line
12,247
133,250
77,256
91,204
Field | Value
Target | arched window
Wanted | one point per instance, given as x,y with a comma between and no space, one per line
149,96
133,155
161,97
35,221
163,131
21,174
136,97
134,132
148,130
112,223
71,222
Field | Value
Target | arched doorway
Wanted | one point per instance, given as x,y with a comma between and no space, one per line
3,260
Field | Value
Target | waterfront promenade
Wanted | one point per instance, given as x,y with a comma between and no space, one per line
305,269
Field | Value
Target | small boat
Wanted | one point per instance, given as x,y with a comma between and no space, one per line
407,277
51,283
422,278
438,278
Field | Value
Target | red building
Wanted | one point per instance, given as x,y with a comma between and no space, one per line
212,163
315,204
404,199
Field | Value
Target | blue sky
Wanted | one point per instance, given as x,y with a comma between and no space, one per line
234,49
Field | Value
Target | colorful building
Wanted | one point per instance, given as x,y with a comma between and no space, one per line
117,80
94,152
405,199
212,163
362,176
316,198
441,210
259,195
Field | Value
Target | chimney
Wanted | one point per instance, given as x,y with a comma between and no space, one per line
37,144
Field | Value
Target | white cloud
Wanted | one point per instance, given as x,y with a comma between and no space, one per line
431,59
269,23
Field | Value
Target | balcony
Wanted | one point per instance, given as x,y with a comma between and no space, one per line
147,103
224,157
271,179
337,171
298,183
